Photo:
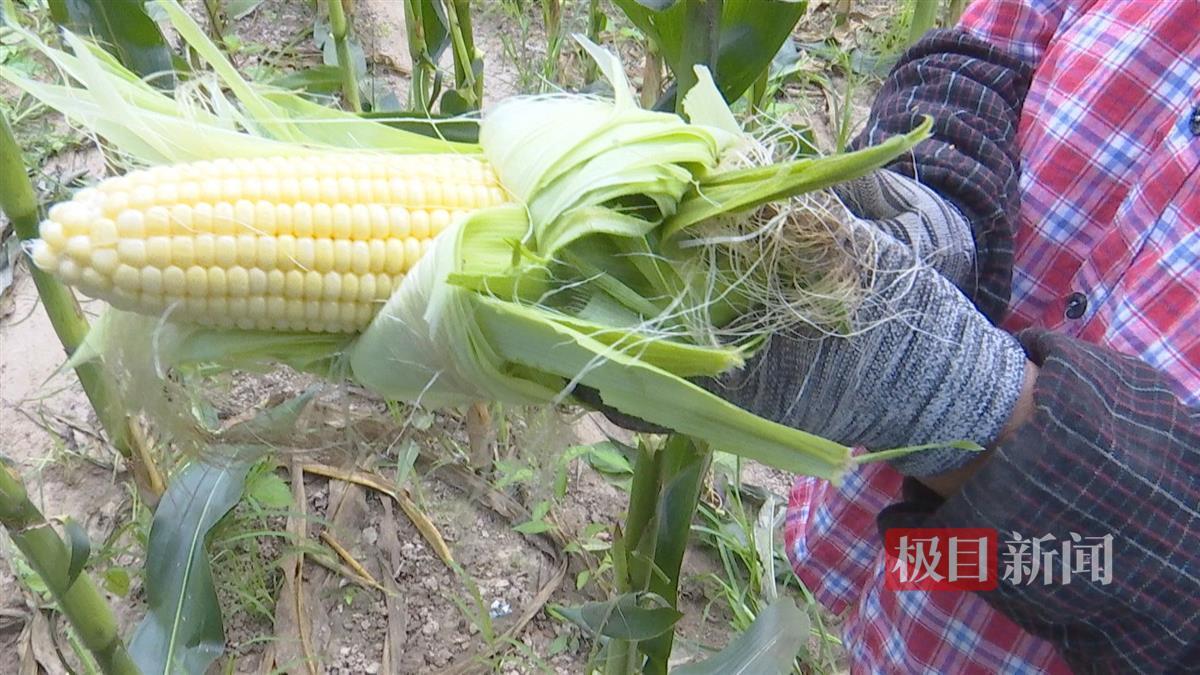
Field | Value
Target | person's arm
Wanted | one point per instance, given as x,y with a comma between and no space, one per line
972,80
974,93
1107,450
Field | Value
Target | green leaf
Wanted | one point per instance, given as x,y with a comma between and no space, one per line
318,80
606,458
768,646
454,129
533,527
454,103
236,9
526,337
270,491
183,630
276,422
123,27
751,33
435,27
629,616
742,189
81,549
116,581
406,458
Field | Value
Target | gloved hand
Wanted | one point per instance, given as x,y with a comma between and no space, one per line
920,365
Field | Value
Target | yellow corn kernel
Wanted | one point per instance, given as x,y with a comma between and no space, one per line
302,220
181,219
51,232
44,257
127,278
312,285
383,287
360,222
243,217
420,224
331,286
439,220
216,282
400,222
289,190
276,280
366,288
322,255
294,285
343,253
152,280
265,253
202,218
158,221
322,221
257,282
394,259
264,218
69,271
360,257
196,279
158,251
349,288
174,281
237,282
183,251
276,306
79,247
247,250
226,251
222,220
305,254
205,248
378,251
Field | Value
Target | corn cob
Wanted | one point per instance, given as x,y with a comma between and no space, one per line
313,243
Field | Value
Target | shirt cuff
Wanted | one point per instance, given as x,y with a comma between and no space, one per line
1110,451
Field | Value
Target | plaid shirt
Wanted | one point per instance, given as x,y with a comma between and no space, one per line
1092,248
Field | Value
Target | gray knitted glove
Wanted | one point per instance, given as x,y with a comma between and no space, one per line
914,214
922,365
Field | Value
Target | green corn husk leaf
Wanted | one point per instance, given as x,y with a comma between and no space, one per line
154,128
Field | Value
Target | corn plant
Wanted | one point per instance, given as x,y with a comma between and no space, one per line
432,27
60,564
339,29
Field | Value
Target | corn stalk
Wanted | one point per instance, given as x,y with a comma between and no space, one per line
652,76
954,11
841,12
552,19
18,201
468,68
76,595
665,491
339,29
924,18
597,20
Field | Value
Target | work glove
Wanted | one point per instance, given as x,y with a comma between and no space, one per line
920,364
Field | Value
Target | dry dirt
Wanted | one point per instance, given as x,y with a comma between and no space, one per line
428,622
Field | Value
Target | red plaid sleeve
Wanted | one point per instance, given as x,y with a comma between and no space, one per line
1111,450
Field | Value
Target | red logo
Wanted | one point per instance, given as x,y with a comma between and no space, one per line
940,559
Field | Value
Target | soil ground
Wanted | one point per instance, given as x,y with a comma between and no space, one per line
432,622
